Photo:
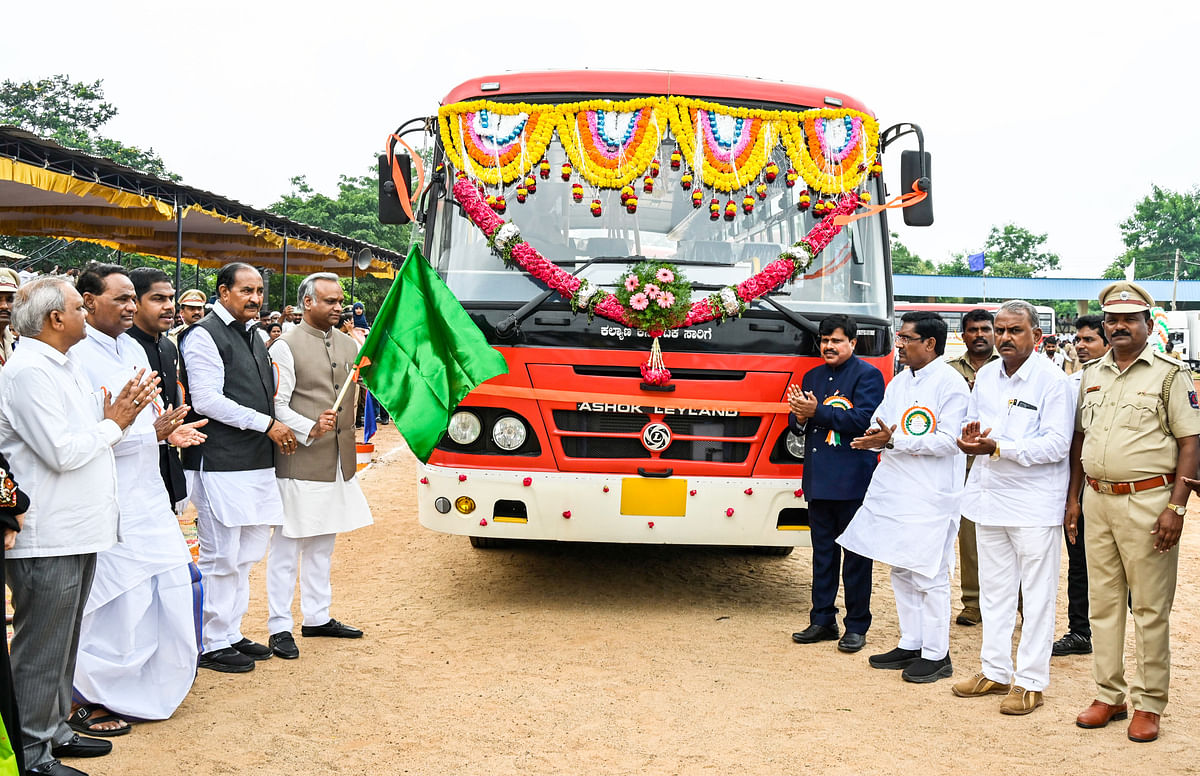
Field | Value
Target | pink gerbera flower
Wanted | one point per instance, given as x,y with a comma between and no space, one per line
639,301
664,275
666,299
631,282
651,290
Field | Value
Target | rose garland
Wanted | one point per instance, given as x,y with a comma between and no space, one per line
505,238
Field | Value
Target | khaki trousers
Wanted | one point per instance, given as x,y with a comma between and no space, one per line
1121,560
968,564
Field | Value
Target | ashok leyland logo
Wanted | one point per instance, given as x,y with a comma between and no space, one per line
656,437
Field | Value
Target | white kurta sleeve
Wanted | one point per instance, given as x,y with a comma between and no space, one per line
285,373
206,379
40,419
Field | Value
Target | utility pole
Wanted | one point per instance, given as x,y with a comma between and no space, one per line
1175,282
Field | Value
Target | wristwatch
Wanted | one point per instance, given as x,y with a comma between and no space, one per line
995,456
1177,509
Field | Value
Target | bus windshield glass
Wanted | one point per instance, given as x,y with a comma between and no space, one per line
847,277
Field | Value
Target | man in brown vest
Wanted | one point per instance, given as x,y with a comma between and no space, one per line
321,496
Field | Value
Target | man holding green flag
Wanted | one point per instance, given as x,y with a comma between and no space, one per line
424,354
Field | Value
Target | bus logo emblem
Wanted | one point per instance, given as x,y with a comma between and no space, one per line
656,437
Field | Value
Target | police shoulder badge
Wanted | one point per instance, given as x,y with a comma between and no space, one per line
1193,400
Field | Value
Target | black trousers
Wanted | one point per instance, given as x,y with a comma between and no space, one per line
1077,586
827,520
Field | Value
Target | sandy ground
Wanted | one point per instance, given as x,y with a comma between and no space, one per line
605,659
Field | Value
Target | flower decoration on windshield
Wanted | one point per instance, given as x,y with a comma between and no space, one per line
585,297
657,295
726,303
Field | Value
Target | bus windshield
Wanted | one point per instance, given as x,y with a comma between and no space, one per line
847,277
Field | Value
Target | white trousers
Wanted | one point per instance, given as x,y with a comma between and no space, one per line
1016,560
227,553
316,592
923,604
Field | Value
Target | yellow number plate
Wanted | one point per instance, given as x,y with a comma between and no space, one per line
653,498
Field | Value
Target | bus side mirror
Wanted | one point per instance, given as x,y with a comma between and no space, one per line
915,167
390,209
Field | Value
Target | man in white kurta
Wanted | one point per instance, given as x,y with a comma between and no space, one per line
1020,423
321,495
230,381
139,638
909,517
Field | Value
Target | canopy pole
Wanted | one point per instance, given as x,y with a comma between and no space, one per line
352,265
178,245
198,275
283,292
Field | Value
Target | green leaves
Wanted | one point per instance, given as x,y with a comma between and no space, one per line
1162,222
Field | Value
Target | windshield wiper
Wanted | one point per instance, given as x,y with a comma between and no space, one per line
512,323
794,317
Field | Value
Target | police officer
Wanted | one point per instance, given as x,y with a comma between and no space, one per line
1135,439
834,406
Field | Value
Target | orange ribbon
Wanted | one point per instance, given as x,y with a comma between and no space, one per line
406,199
902,201
546,394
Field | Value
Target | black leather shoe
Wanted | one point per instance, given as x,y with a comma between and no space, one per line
284,645
227,661
55,768
852,642
81,746
924,671
332,629
895,660
814,633
253,650
1072,644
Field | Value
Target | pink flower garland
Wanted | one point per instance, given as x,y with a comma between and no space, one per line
770,278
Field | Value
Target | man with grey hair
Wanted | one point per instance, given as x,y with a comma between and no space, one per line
1019,428
58,439
321,496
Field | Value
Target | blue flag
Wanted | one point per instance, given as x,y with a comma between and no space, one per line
368,417
976,261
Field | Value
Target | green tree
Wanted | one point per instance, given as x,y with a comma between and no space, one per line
1162,222
905,262
71,114
1012,252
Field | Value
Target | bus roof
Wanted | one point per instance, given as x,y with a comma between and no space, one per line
662,82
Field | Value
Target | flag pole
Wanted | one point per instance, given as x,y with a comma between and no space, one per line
353,378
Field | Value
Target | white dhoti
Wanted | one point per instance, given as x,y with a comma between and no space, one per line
234,515
314,513
1014,561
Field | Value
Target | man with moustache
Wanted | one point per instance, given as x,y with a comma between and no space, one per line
1136,441
834,406
979,337
58,436
9,283
1020,424
137,642
191,310
320,493
1090,345
151,320
909,516
229,379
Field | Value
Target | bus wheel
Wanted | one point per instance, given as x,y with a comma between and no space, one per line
777,552
486,542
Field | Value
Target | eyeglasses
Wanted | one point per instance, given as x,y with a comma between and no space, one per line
908,337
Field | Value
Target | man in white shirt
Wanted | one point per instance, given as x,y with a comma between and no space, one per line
320,493
228,376
58,436
1021,421
137,642
909,517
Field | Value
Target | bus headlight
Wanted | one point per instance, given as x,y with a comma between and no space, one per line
464,428
508,433
795,445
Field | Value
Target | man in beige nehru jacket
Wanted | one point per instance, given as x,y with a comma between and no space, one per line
1135,441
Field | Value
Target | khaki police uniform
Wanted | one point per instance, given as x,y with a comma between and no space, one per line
9,283
968,552
1129,458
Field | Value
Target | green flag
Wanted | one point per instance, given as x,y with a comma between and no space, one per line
424,354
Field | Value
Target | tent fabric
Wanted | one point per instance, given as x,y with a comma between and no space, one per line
50,191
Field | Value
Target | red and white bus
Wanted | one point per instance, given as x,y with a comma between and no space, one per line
952,314
574,445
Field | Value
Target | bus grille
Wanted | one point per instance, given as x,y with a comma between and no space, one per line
629,425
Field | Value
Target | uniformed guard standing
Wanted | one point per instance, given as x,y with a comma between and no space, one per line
1135,439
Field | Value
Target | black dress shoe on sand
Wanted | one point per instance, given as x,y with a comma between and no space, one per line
923,671
81,746
814,633
852,642
227,661
283,645
54,768
331,629
896,660
253,650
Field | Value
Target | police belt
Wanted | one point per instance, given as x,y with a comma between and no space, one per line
1121,488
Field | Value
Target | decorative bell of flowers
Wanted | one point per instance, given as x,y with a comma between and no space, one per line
791,177
685,181
647,184
654,166
876,169
631,205
770,172
731,209
676,159
654,371
761,190
864,197
747,204
544,169
500,204
596,209
577,192
530,183
714,209
697,198
805,201
566,171
626,193
522,194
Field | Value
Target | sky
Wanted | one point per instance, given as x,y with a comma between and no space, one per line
1057,115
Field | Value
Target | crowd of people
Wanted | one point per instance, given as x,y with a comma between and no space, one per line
1006,452
115,413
